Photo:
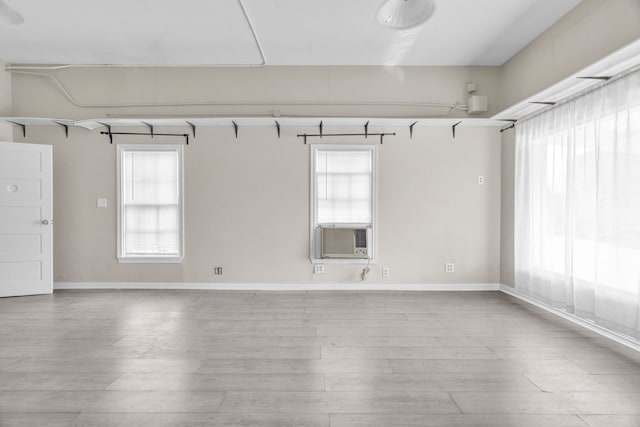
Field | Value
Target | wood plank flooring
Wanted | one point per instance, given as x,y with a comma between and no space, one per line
314,359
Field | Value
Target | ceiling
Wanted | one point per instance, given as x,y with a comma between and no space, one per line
271,32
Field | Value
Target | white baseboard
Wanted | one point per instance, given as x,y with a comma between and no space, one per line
280,286
619,338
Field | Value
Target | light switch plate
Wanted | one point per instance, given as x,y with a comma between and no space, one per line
102,203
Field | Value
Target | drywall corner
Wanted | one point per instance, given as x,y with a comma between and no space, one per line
507,180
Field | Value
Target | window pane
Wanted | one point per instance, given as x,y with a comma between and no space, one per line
151,177
344,186
151,230
150,203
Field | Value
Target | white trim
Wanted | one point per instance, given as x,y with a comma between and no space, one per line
619,338
458,287
370,261
151,259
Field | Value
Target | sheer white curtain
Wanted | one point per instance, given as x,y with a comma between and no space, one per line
577,206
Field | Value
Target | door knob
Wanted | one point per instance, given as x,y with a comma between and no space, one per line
45,222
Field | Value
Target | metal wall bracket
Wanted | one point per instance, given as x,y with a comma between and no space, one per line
66,129
235,128
512,121
366,130
411,129
23,126
278,128
193,129
605,78
453,129
511,126
108,132
150,128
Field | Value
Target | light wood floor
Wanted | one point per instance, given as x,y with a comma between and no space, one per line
318,359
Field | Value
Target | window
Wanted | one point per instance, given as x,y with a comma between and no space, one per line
150,203
343,190
577,206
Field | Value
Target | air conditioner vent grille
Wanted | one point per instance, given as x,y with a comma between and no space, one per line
361,238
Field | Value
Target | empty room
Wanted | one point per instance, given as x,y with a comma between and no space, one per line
320,213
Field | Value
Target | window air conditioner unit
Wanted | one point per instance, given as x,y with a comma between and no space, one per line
345,242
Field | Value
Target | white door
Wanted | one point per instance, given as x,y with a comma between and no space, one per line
25,219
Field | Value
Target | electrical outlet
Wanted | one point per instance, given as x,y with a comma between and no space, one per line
318,268
101,203
449,267
217,271
385,272
480,180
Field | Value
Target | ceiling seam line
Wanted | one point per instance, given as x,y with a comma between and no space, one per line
255,35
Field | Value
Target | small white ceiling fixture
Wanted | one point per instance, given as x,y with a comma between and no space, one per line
405,14
9,15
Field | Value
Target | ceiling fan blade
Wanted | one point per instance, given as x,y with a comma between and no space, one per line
9,15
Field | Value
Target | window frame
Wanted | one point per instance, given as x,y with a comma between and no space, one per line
149,259
314,253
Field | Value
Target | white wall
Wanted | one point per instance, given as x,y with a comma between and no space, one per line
319,91
247,208
247,199
6,109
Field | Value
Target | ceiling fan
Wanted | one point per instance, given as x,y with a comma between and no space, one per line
9,15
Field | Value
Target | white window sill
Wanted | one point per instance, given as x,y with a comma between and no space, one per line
150,260
342,261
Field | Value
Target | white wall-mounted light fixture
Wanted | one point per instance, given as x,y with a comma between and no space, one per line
9,15
405,14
